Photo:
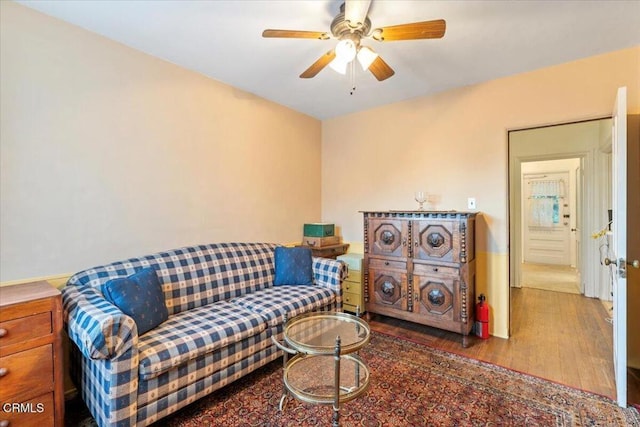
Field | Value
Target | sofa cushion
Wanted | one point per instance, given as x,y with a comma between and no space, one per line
293,266
272,303
140,297
195,332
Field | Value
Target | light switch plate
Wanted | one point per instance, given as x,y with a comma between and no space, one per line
471,203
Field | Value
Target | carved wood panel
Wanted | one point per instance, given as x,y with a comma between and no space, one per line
436,240
388,237
437,297
388,289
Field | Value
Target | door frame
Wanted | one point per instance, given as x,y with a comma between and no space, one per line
515,210
618,251
590,216
566,207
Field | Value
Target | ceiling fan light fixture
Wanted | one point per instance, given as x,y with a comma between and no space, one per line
338,65
366,56
345,50
355,12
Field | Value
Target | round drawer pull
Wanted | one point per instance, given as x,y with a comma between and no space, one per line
386,263
4,423
435,268
3,332
3,372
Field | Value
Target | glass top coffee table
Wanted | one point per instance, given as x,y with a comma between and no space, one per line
325,368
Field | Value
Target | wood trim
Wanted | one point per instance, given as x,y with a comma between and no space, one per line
57,281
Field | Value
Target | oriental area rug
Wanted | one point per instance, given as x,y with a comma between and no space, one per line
412,385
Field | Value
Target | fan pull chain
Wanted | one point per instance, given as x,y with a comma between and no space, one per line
352,76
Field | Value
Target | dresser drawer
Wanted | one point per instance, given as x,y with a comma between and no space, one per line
382,264
352,300
352,309
352,287
354,276
26,328
37,412
430,269
26,374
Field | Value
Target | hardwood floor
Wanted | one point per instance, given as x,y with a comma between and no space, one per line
557,336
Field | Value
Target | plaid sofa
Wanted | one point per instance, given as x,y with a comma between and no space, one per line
223,310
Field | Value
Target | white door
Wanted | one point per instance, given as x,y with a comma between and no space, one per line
577,230
547,218
618,253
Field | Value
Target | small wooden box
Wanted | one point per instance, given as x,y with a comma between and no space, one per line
319,229
331,251
319,242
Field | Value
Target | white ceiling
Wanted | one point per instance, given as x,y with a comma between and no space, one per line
484,40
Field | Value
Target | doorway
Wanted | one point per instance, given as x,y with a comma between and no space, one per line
575,153
546,165
550,216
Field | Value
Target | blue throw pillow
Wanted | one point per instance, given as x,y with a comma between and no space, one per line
294,266
139,296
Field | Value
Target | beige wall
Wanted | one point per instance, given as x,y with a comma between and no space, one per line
107,153
454,145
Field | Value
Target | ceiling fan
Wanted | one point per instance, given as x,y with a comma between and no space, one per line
350,27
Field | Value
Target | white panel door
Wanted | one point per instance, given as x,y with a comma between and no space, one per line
547,221
618,250
578,219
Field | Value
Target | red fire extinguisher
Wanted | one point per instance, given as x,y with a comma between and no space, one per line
482,318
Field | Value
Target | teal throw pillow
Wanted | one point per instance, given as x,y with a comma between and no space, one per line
140,297
294,266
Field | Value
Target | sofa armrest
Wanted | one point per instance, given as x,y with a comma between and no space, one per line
330,273
97,327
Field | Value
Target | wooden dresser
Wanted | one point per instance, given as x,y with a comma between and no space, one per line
31,380
420,267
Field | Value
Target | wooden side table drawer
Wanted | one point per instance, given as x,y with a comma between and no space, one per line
31,380
37,412
331,251
354,276
352,300
352,287
26,374
23,329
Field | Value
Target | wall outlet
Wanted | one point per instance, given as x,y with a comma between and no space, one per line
471,203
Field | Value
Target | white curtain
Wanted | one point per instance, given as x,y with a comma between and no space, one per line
544,195
547,188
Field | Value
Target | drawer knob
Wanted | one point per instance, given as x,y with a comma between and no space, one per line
3,372
435,268
3,332
386,263
4,423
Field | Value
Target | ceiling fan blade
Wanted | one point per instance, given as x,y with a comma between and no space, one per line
355,11
417,30
317,66
381,69
294,34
